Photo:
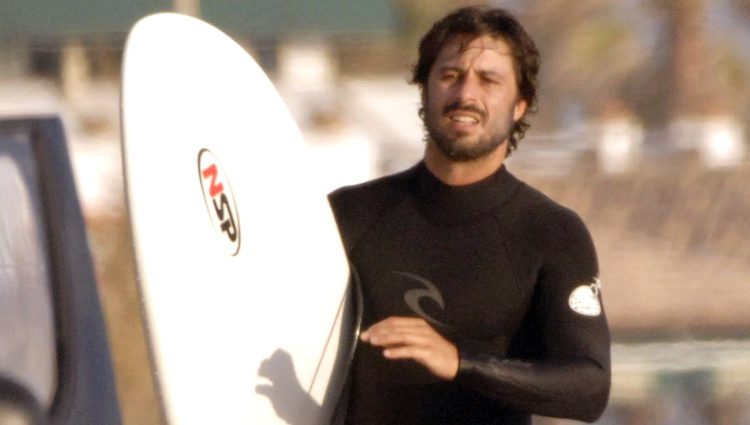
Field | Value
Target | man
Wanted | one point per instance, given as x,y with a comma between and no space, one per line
481,295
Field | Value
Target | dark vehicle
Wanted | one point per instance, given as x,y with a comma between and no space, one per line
55,365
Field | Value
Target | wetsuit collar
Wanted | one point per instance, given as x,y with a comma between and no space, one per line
447,203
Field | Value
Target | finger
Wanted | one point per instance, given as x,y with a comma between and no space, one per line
399,321
395,336
442,364
401,338
417,354
395,324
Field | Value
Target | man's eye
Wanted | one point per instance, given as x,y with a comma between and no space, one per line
450,76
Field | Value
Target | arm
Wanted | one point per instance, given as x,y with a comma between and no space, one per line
568,374
574,388
571,376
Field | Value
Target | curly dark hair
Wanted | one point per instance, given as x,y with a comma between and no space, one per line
476,21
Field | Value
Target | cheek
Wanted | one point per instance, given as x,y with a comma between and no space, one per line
436,95
433,101
507,107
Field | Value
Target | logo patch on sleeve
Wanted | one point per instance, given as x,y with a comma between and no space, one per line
585,299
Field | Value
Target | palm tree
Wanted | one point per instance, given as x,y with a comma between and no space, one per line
588,53
597,55
690,59
701,97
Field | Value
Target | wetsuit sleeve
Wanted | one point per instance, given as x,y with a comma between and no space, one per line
571,376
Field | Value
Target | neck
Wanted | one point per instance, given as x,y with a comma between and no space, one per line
455,173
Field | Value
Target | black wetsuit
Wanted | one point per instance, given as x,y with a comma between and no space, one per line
492,267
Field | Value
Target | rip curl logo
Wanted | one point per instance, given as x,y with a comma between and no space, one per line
414,297
219,200
585,299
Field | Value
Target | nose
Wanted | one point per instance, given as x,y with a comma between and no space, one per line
467,90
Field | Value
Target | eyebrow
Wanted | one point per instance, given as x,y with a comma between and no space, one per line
483,72
451,68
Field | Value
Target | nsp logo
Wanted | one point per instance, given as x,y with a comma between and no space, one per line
219,199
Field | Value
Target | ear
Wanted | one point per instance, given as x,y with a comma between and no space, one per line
423,99
519,110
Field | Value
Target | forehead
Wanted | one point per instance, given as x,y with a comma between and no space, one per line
460,49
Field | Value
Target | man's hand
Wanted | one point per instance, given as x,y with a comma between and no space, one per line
411,338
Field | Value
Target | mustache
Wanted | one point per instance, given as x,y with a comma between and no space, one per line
458,106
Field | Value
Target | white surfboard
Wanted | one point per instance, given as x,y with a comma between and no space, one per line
242,272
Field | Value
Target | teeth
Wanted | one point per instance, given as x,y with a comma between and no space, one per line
464,119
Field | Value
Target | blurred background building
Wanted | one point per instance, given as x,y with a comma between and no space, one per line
641,128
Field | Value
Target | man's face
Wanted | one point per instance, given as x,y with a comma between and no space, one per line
471,98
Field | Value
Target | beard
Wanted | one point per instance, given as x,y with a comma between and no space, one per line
463,148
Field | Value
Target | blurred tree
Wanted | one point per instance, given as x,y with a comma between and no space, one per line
588,53
692,70
704,79
691,62
733,69
417,16
742,7
656,59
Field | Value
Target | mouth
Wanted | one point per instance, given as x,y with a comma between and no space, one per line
463,118
464,115
463,121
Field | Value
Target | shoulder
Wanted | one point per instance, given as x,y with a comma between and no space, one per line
381,190
556,237
549,222
357,207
